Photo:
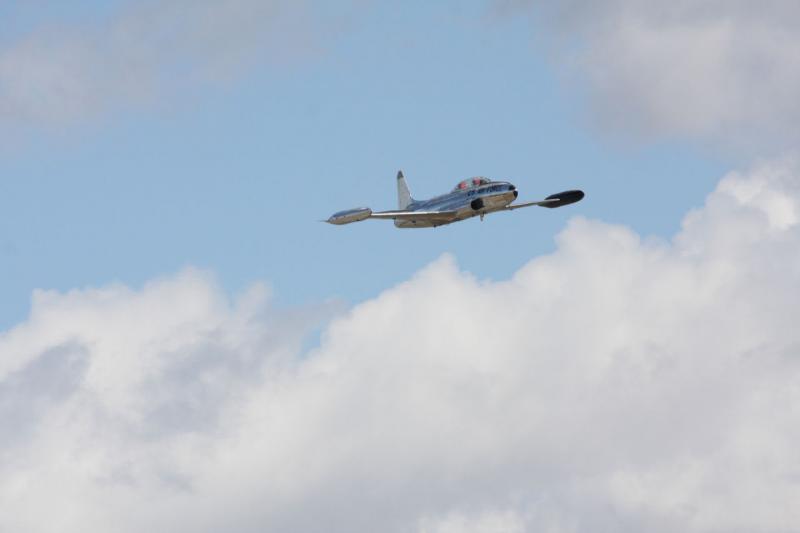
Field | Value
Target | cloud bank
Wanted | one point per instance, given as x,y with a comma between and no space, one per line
64,73
726,71
618,384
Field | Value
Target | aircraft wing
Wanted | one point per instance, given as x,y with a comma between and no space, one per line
362,213
433,216
554,200
511,207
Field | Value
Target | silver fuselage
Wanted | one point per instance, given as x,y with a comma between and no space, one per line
467,203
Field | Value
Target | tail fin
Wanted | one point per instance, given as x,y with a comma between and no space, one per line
403,195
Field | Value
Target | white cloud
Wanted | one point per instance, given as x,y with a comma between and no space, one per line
726,71
487,522
62,73
618,384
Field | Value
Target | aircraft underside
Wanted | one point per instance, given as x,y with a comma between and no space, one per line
478,207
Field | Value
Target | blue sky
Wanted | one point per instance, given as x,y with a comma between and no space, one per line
232,176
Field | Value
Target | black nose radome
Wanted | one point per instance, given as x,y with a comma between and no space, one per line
516,193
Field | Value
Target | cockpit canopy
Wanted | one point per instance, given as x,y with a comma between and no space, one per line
471,183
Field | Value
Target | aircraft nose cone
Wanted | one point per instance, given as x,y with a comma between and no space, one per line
516,193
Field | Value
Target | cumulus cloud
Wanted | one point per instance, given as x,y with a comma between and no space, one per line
617,384
725,71
60,73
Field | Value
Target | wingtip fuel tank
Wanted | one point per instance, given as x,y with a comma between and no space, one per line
350,215
564,198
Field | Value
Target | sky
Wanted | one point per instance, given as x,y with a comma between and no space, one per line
185,346
232,172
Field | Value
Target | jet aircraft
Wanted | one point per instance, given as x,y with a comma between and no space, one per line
475,196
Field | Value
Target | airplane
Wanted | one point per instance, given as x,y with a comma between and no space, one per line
476,196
